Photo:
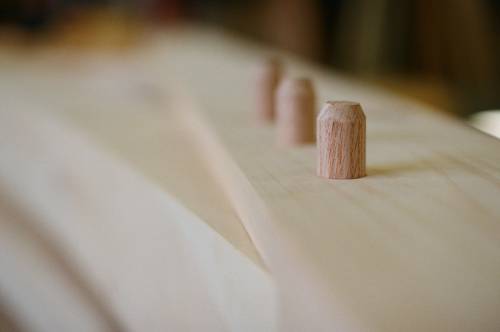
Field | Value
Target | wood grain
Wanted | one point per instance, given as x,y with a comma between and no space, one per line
414,246
120,107
341,141
125,254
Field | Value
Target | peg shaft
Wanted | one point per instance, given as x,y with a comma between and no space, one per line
295,112
341,141
268,74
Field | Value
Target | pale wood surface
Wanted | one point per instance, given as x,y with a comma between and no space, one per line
414,246
88,244
115,102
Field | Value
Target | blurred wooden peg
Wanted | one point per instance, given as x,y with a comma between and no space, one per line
268,74
341,141
295,112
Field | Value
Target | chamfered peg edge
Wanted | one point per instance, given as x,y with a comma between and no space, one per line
295,112
268,76
341,140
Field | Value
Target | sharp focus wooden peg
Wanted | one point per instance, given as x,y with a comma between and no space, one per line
341,141
295,112
268,77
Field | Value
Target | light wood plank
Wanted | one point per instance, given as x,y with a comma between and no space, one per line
152,264
116,103
414,246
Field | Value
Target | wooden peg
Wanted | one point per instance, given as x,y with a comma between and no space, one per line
268,77
295,112
341,141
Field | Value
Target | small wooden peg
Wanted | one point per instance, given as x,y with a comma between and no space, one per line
341,141
268,77
295,112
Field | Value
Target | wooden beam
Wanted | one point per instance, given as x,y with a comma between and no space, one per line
414,246
116,239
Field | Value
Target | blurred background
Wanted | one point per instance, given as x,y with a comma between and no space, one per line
443,52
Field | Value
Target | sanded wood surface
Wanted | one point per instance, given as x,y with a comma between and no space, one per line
119,106
89,244
414,246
